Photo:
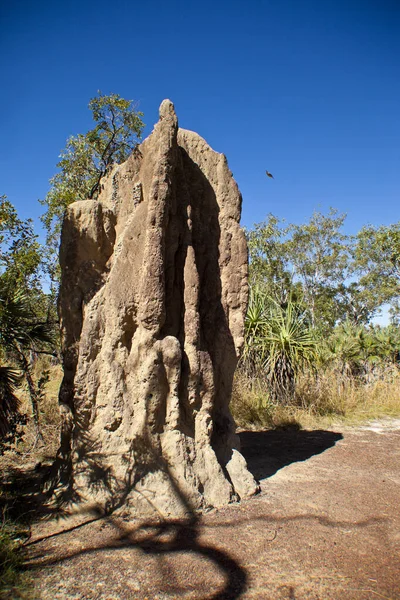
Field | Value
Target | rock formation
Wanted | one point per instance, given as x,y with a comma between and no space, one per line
152,303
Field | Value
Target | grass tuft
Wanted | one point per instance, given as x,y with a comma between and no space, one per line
14,583
319,400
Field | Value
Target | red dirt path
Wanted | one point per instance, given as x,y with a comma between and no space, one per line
325,526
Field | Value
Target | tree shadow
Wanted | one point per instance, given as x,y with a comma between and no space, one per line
268,451
157,539
265,452
22,496
176,536
26,493
157,536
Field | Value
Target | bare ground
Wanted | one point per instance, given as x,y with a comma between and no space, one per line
326,525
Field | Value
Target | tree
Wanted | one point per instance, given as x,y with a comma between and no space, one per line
23,260
320,257
270,265
20,252
87,157
306,262
377,265
352,304
25,322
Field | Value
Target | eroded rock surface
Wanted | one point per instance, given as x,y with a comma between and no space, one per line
152,303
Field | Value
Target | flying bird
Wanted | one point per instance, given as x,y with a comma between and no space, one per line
270,174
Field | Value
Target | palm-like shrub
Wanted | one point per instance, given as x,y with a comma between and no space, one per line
280,342
20,333
9,403
360,352
344,349
256,324
388,343
292,347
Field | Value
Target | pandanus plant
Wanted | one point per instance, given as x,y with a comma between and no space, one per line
280,342
20,334
345,349
388,340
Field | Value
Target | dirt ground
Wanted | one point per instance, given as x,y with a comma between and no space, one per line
326,525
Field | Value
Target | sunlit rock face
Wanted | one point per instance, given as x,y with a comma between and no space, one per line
152,303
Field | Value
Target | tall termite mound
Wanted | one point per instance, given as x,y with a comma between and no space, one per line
152,304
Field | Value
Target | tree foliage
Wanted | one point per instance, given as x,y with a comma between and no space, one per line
319,254
377,265
306,262
339,277
20,252
87,157
314,292
280,342
25,326
269,258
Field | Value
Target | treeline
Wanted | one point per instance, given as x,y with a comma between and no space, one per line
336,276
314,292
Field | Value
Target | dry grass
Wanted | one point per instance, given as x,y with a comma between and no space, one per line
15,583
252,407
29,450
320,400
49,414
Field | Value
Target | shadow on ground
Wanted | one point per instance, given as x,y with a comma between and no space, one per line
156,539
22,497
268,451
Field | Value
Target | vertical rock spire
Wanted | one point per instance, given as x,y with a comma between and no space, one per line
152,303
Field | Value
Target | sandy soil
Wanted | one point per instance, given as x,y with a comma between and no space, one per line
326,525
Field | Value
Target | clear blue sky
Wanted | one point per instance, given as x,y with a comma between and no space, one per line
308,89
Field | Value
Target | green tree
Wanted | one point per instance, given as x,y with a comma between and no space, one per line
377,265
20,252
308,263
319,253
23,262
87,157
25,323
353,305
269,257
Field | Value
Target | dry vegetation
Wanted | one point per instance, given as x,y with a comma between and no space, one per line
29,451
320,400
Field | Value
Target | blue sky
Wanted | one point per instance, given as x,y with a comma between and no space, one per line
308,89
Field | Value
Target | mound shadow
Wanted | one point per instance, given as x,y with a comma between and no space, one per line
266,452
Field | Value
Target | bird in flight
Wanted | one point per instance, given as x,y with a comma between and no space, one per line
269,174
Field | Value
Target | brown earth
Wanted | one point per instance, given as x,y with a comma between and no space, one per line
326,525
